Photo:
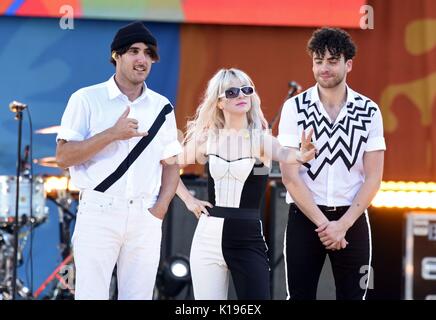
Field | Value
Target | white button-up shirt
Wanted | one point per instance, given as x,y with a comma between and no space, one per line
337,173
94,109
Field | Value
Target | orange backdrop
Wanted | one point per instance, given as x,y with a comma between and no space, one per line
395,66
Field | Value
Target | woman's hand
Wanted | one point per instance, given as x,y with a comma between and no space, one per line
197,206
307,149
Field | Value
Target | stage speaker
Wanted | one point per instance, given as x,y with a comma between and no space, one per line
387,253
278,220
178,230
420,256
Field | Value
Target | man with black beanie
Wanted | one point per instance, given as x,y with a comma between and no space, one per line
119,141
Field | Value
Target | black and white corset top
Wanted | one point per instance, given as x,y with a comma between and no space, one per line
236,183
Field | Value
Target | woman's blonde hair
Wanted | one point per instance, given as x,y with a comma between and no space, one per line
209,117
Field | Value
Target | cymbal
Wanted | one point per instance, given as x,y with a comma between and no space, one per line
47,162
48,130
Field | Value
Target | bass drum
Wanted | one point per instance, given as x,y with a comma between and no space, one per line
8,189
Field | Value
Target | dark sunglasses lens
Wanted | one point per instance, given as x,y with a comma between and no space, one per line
232,93
247,90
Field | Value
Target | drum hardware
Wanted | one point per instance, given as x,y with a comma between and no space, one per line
61,192
29,209
27,192
64,288
57,189
8,191
7,265
28,204
64,202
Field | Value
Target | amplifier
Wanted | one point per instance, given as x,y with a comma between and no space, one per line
420,256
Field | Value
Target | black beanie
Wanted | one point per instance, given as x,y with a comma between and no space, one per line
132,33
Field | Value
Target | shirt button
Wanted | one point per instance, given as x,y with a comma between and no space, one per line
131,201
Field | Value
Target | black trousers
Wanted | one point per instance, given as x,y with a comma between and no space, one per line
305,255
245,252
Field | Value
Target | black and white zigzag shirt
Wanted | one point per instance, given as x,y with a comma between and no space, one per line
337,173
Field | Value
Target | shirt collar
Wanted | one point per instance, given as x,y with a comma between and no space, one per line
314,97
115,92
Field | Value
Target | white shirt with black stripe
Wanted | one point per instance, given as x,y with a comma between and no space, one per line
94,109
337,173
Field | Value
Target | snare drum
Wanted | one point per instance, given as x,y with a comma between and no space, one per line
8,187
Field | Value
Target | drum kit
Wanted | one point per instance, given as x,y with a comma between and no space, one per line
32,212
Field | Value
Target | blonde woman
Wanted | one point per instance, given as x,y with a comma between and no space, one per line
229,132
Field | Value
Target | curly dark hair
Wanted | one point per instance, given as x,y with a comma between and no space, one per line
335,40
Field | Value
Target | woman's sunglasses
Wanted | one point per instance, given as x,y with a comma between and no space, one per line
233,92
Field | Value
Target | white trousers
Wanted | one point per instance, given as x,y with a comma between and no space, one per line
209,271
111,230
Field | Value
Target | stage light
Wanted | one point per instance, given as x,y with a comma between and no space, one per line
173,277
406,195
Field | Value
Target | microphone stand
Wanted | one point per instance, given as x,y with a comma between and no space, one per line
17,108
293,88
